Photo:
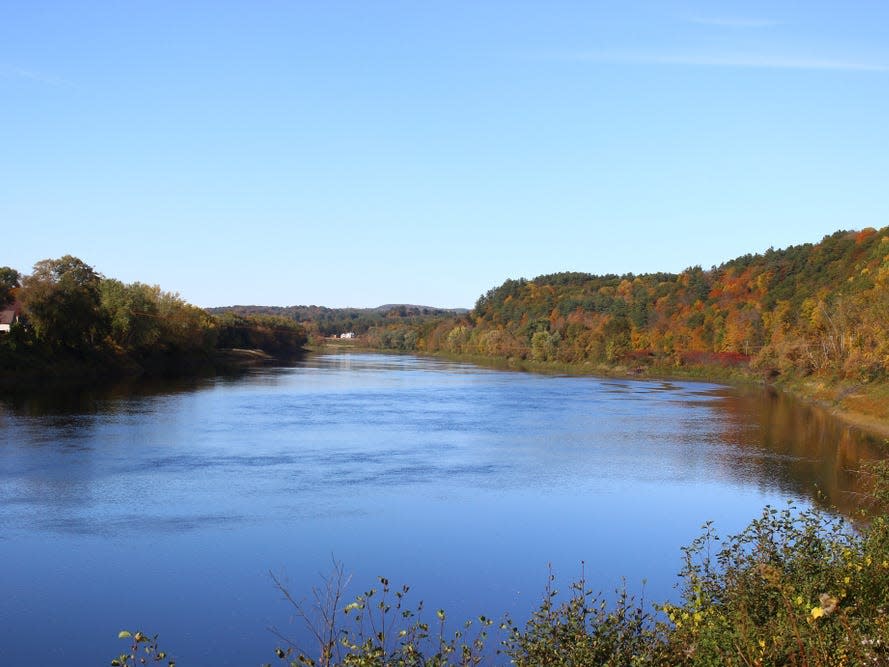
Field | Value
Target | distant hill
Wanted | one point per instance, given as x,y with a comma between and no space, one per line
324,321
398,306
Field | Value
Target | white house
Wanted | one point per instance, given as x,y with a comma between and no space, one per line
7,319
9,316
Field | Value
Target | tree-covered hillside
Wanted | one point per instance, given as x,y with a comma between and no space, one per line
810,308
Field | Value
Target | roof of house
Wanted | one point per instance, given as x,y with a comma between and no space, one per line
10,311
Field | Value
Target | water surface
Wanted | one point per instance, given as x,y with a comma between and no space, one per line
165,508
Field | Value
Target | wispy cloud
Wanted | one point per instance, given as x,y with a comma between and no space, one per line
737,61
13,72
733,22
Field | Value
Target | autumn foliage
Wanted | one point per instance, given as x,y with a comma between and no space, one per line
811,308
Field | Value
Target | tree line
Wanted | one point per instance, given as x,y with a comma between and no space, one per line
73,317
814,308
323,322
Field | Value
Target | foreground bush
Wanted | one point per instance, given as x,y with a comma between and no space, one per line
793,588
584,630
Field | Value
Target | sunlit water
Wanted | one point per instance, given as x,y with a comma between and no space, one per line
165,509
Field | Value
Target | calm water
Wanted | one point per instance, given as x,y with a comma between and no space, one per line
165,509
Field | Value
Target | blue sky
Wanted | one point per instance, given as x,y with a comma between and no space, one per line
354,154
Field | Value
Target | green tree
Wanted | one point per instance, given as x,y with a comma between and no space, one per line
62,302
184,328
9,280
132,312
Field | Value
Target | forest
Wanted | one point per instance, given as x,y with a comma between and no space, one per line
70,321
815,308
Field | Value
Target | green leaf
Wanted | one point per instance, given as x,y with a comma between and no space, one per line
123,634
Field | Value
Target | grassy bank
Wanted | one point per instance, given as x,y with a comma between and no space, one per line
864,405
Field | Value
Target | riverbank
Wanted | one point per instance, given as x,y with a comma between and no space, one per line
864,406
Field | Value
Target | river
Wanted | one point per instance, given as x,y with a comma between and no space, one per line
165,507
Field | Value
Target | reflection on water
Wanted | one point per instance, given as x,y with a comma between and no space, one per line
820,456
164,506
